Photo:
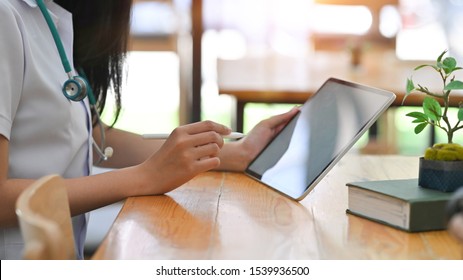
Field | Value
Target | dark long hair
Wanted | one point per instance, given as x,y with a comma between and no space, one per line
101,30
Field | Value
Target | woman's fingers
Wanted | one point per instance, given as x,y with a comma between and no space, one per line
206,138
202,133
205,126
206,151
194,148
277,122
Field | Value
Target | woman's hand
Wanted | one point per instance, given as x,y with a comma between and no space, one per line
197,147
236,156
190,150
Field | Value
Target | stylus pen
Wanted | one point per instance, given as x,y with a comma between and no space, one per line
233,135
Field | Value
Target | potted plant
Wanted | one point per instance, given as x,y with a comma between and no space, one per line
441,167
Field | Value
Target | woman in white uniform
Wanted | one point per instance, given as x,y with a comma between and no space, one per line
43,132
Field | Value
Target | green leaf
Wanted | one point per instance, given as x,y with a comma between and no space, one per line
440,66
408,89
454,85
432,109
460,114
449,64
421,117
439,59
426,65
410,86
420,127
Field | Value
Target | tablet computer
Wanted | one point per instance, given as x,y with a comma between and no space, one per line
327,126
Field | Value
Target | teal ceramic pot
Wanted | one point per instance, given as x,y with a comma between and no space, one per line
445,176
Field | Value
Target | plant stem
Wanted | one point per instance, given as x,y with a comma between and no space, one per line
445,97
426,91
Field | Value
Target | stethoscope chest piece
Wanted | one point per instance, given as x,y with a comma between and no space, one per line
75,89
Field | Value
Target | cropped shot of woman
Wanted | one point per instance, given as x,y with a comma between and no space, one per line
53,85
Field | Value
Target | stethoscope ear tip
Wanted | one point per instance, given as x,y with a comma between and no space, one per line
108,152
104,154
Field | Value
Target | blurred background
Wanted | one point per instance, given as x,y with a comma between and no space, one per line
177,48
160,90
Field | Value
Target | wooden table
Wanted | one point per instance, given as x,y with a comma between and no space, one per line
272,78
221,215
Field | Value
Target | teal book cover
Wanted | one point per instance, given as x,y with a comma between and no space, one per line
402,204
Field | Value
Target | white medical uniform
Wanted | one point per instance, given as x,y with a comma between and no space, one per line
47,133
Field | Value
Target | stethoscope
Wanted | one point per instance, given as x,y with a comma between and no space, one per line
76,88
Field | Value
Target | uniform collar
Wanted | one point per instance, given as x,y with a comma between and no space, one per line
33,3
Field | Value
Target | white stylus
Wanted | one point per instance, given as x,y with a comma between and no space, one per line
233,135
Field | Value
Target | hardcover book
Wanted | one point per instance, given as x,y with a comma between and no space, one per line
402,204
